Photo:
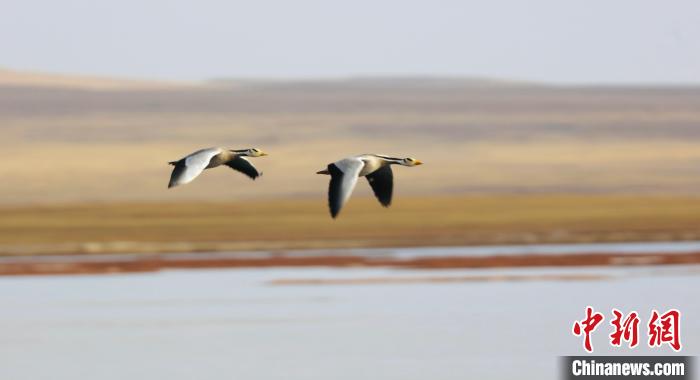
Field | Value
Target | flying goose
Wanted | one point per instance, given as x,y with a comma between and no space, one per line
377,169
192,165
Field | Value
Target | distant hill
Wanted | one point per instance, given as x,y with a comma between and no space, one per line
395,82
13,78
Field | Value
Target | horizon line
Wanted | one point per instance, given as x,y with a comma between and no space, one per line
212,80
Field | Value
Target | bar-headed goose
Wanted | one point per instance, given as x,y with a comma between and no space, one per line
192,165
377,169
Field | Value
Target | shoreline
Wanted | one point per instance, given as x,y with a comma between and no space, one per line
133,263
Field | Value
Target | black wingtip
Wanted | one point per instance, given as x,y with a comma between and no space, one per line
334,210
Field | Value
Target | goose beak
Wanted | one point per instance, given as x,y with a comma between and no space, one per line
263,154
417,162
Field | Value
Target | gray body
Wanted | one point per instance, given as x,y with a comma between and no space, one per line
189,167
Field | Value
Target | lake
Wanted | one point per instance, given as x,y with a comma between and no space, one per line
326,323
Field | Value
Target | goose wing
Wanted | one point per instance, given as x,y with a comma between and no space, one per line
244,166
382,182
188,168
344,174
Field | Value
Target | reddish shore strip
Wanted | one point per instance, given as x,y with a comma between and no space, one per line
151,263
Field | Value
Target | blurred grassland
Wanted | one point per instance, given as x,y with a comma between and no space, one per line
84,163
288,224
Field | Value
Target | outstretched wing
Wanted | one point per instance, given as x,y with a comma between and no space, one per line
344,174
244,166
382,182
188,168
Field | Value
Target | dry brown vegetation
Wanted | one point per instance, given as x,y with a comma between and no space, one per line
84,163
285,224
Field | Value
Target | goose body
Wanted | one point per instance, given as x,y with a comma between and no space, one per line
375,167
189,167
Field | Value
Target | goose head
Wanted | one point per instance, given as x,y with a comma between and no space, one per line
408,161
252,152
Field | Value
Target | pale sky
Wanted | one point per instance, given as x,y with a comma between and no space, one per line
561,41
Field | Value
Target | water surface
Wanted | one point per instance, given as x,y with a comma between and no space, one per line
235,323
